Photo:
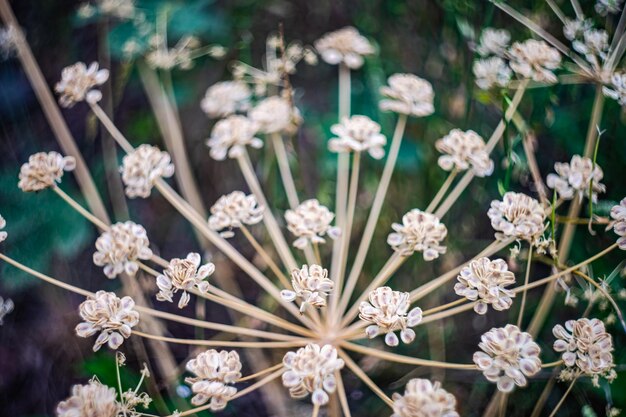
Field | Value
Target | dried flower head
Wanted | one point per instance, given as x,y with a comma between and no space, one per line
518,216
91,400
464,150
604,7
618,88
309,222
575,28
3,234
113,317
490,72
408,94
311,284
118,249
180,56
535,60
44,170
121,9
215,372
234,210
275,115
618,213
184,275
225,98
493,42
423,398
573,179
358,134
486,281
419,231
230,136
587,349
312,370
345,46
78,82
143,167
594,46
508,356
388,310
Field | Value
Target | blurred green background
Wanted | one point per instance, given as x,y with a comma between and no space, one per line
40,358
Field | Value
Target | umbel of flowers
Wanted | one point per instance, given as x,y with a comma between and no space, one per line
214,373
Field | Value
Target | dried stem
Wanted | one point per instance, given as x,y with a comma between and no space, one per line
526,277
266,257
562,400
343,399
222,343
372,219
363,377
442,191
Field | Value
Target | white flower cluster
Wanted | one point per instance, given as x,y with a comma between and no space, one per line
419,231
604,7
388,310
180,56
119,248
215,372
573,179
485,281
617,88
276,115
311,284
618,213
508,357
230,136
587,349
91,400
531,59
225,98
408,94
183,275
422,398
309,222
44,170
3,234
142,168
312,370
517,216
358,134
233,210
464,150
113,317
78,82
344,46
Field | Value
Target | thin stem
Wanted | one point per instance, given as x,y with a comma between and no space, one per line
261,373
268,217
442,190
112,129
526,278
562,400
266,257
316,410
222,343
345,234
343,399
393,357
363,377
372,219
343,167
80,209
443,307
552,364
316,251
285,171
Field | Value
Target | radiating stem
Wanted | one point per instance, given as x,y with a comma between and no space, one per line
80,209
268,217
261,373
285,171
372,219
442,190
220,343
266,257
562,400
345,235
526,278
363,377
343,399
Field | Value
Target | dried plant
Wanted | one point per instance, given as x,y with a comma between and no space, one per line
339,308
